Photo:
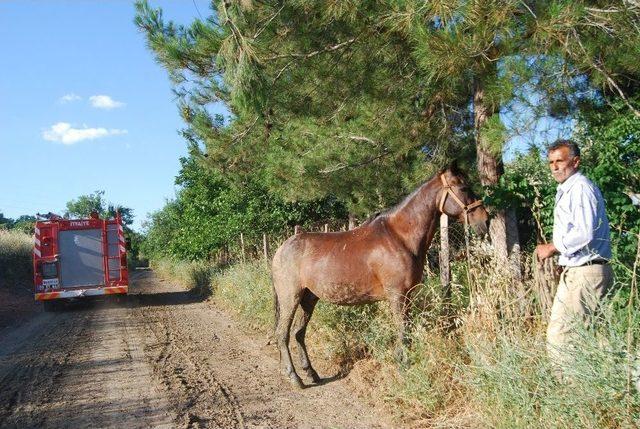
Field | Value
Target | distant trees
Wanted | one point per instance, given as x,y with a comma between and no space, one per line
4,221
23,223
85,204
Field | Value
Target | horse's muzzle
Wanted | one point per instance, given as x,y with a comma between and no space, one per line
481,227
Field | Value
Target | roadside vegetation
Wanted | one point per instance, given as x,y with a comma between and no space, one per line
16,249
337,110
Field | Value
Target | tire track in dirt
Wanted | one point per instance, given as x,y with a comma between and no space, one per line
200,399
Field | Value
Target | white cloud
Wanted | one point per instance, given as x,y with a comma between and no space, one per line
104,102
64,133
68,98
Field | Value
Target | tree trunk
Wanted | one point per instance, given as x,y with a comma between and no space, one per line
504,234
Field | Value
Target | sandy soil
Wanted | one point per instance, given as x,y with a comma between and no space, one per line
163,358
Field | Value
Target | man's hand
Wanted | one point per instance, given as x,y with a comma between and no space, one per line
544,251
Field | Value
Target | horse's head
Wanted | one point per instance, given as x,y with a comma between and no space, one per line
456,199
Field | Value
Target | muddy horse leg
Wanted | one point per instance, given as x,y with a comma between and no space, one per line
288,303
400,309
303,315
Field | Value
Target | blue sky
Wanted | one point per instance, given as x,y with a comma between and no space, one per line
117,128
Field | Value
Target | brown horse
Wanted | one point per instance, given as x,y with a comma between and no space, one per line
382,259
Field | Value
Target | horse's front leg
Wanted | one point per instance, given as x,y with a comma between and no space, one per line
400,308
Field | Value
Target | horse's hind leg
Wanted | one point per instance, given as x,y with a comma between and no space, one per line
307,304
288,301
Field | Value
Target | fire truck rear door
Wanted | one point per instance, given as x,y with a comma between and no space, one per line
81,258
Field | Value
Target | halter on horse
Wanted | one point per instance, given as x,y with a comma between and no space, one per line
380,260
448,191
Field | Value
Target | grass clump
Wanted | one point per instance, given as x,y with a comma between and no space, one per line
513,383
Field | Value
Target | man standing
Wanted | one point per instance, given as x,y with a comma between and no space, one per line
581,237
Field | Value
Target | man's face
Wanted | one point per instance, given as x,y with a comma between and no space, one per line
562,164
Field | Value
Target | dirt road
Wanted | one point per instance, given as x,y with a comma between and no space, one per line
165,358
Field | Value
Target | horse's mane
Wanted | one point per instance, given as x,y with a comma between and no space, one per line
453,168
373,217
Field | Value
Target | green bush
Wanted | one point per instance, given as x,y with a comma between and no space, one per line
209,214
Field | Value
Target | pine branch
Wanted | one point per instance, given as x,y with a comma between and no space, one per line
264,27
342,165
610,81
330,48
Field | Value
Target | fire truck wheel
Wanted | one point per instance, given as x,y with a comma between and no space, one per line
50,306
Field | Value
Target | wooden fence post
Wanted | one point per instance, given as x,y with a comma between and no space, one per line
326,227
265,247
445,267
242,246
296,229
352,221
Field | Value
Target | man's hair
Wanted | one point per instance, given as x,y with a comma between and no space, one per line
574,150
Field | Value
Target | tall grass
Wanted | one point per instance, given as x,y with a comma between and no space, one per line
513,384
195,275
245,289
16,249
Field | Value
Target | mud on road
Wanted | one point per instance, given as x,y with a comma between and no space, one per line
164,358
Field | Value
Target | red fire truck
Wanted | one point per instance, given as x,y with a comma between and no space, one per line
77,258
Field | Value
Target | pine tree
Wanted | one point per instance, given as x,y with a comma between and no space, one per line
365,99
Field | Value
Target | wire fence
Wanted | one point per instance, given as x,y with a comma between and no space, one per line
518,287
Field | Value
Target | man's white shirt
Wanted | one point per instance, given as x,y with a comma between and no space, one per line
580,226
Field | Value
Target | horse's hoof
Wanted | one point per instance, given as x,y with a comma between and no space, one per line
313,375
296,382
293,378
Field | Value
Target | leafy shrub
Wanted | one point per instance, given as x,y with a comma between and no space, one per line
209,214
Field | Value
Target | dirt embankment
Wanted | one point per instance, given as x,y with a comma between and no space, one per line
164,358
16,304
